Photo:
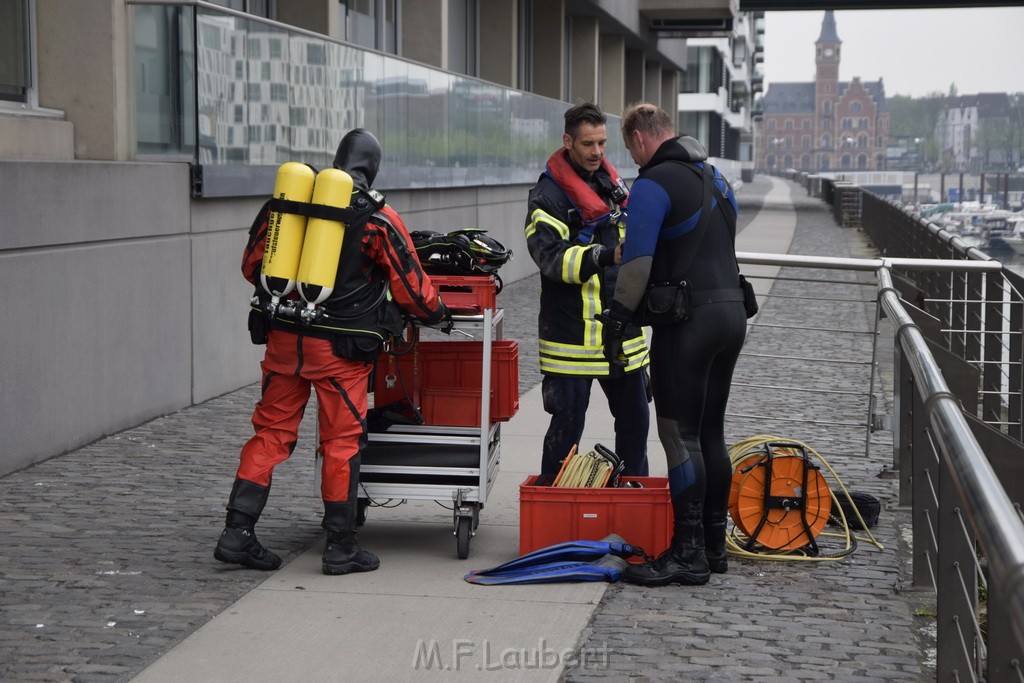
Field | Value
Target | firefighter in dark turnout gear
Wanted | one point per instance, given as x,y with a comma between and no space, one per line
574,227
692,356
378,272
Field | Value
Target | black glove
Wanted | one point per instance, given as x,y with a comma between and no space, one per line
445,324
604,256
614,331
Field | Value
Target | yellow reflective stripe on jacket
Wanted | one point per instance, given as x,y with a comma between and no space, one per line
572,264
542,216
574,359
590,294
557,366
630,346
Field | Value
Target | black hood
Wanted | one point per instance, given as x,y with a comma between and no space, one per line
359,156
682,148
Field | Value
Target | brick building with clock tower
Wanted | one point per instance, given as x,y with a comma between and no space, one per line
827,125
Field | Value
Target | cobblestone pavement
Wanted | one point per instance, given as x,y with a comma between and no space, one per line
787,621
105,551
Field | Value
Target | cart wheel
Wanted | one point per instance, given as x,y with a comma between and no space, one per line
463,534
476,516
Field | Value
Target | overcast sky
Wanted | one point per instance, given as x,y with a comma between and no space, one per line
915,52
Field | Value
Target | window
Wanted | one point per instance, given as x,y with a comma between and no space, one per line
14,51
359,22
855,106
462,37
370,23
703,70
524,68
826,140
316,53
258,7
278,92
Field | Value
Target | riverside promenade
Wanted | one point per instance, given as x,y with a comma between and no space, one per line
107,573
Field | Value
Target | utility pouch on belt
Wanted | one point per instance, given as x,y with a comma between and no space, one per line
665,303
749,298
259,325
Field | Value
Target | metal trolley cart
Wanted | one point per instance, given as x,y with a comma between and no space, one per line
454,456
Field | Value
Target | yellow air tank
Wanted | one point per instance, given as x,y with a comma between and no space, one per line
286,231
322,246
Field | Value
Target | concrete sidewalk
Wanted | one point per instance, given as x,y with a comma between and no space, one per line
106,568
415,618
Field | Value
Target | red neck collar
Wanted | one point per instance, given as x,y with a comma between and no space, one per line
590,205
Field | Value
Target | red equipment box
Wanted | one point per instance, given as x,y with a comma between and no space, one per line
450,379
552,514
467,294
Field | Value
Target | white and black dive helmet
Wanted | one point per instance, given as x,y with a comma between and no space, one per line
470,251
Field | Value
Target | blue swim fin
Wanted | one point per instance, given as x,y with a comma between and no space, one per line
608,568
570,551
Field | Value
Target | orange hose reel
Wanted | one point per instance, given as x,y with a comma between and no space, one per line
791,510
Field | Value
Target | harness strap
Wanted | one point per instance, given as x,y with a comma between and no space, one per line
348,216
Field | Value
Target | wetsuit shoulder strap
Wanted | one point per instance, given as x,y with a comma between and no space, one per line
705,217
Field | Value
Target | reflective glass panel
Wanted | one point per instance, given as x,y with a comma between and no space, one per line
255,95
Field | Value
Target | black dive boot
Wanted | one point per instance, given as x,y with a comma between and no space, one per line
714,544
683,562
237,543
342,553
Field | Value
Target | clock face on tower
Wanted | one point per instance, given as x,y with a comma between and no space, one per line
828,52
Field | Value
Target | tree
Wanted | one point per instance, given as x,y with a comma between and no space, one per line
914,117
1000,139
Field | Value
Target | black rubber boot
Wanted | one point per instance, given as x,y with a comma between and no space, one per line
682,563
238,543
342,553
714,544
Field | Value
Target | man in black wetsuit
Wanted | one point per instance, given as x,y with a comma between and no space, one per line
692,356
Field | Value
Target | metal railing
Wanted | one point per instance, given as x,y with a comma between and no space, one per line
968,539
980,317
959,377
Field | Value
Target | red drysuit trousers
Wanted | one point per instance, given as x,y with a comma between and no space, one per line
291,364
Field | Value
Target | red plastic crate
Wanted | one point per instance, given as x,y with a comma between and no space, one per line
552,514
467,294
450,378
